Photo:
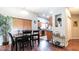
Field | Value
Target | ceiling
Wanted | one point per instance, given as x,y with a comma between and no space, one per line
32,11
40,11
43,11
16,11
74,10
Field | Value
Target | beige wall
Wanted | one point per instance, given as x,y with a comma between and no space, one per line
75,30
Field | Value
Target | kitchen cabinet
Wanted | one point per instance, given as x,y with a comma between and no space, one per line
49,35
22,23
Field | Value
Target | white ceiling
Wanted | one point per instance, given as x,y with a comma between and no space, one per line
16,11
42,11
74,10
33,11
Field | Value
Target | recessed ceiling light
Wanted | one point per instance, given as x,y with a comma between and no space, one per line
24,12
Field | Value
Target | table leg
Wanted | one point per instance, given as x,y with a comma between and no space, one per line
16,45
30,44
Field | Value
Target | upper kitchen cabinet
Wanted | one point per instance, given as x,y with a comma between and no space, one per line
19,23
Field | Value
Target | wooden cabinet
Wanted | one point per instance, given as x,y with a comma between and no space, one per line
17,23
29,24
25,24
22,23
49,35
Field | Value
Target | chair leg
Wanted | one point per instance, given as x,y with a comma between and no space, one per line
23,46
12,47
35,41
20,46
38,42
31,44
16,46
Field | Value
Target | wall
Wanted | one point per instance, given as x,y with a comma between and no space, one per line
75,30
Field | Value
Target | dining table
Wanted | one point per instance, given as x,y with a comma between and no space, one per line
19,37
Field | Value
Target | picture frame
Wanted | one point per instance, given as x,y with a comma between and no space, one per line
75,23
58,20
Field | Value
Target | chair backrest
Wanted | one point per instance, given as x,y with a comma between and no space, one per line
27,31
36,33
12,40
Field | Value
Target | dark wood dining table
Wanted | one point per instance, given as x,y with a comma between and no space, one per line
19,37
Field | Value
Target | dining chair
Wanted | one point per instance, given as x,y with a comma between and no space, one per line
27,38
13,42
35,36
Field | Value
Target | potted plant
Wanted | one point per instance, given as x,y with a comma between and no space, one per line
5,28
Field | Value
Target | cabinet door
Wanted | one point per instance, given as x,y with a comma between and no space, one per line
30,24
17,23
49,35
27,24
22,23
